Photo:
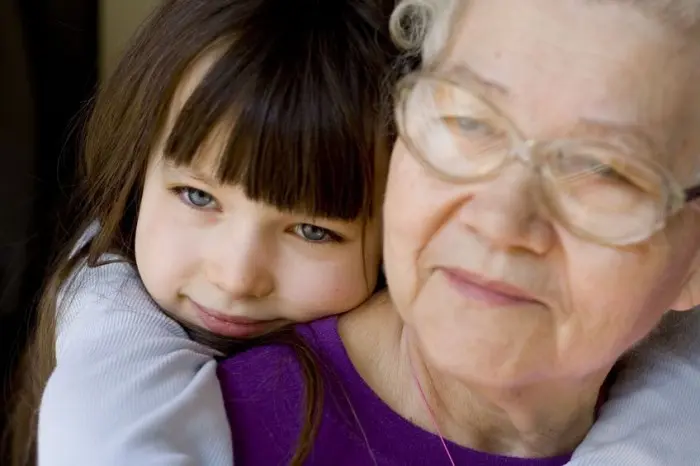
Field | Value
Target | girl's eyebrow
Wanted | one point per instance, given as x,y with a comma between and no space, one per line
191,172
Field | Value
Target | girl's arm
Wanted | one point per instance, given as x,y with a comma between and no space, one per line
129,387
653,415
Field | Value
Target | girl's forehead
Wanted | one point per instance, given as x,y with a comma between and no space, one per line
192,78
204,170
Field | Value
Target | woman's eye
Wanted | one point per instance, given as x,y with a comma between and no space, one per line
585,166
465,124
609,172
314,234
196,197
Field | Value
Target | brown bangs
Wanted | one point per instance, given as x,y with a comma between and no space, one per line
304,122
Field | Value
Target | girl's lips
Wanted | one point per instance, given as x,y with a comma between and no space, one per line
229,326
489,292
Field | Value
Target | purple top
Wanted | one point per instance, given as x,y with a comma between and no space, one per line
263,393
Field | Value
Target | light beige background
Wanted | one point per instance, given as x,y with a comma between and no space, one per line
119,19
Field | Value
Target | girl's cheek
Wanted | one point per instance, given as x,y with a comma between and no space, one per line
329,288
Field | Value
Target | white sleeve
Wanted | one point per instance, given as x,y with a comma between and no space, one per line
129,387
652,417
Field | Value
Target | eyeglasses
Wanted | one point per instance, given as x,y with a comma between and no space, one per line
601,191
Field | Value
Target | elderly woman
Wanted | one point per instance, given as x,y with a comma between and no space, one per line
538,225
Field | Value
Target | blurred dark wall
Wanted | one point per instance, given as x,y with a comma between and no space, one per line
48,70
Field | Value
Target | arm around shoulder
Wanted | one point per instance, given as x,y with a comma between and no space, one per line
653,415
129,386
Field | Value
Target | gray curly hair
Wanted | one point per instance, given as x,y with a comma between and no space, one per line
422,27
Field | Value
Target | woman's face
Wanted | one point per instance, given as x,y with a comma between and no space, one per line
493,285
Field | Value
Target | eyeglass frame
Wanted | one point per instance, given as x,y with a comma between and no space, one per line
676,195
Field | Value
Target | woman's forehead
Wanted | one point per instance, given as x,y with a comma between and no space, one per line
557,63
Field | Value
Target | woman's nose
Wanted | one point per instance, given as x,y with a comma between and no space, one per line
507,211
240,265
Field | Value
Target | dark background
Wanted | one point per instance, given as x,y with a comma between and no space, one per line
48,71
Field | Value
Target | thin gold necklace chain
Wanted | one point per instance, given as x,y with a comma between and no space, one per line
430,411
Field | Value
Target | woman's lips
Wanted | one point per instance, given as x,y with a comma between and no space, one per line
233,327
489,292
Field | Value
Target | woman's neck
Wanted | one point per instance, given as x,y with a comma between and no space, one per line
543,419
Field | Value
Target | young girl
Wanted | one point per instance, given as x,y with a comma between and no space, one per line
238,133
235,165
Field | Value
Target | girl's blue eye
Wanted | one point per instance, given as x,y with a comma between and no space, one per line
196,197
314,234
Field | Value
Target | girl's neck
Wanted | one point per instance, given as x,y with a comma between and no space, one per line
544,419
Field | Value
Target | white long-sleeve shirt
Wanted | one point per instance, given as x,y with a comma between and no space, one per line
130,388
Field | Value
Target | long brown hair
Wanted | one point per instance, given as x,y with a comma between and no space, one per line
304,81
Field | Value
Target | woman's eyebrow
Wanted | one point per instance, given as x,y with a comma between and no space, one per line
630,133
466,74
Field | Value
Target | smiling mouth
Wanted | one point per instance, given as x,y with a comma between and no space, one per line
489,292
230,326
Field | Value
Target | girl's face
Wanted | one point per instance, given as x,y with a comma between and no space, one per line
240,268
214,258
